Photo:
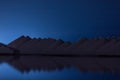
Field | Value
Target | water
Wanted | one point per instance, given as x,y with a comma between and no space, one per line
50,68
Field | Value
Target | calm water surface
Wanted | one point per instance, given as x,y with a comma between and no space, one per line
43,69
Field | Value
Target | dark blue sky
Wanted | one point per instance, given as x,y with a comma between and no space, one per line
66,19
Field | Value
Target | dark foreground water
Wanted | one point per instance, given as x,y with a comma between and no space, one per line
54,68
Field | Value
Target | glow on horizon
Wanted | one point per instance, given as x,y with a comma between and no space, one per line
67,20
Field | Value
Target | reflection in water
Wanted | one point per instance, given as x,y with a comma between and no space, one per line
9,72
57,68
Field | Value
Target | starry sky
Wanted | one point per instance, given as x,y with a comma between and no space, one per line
60,19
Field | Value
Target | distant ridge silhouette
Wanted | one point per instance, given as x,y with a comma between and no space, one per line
50,46
25,54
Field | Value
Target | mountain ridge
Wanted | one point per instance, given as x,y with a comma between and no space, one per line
84,46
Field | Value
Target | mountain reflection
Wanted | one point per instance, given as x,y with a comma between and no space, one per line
49,63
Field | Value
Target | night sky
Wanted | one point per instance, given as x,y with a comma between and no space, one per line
65,19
